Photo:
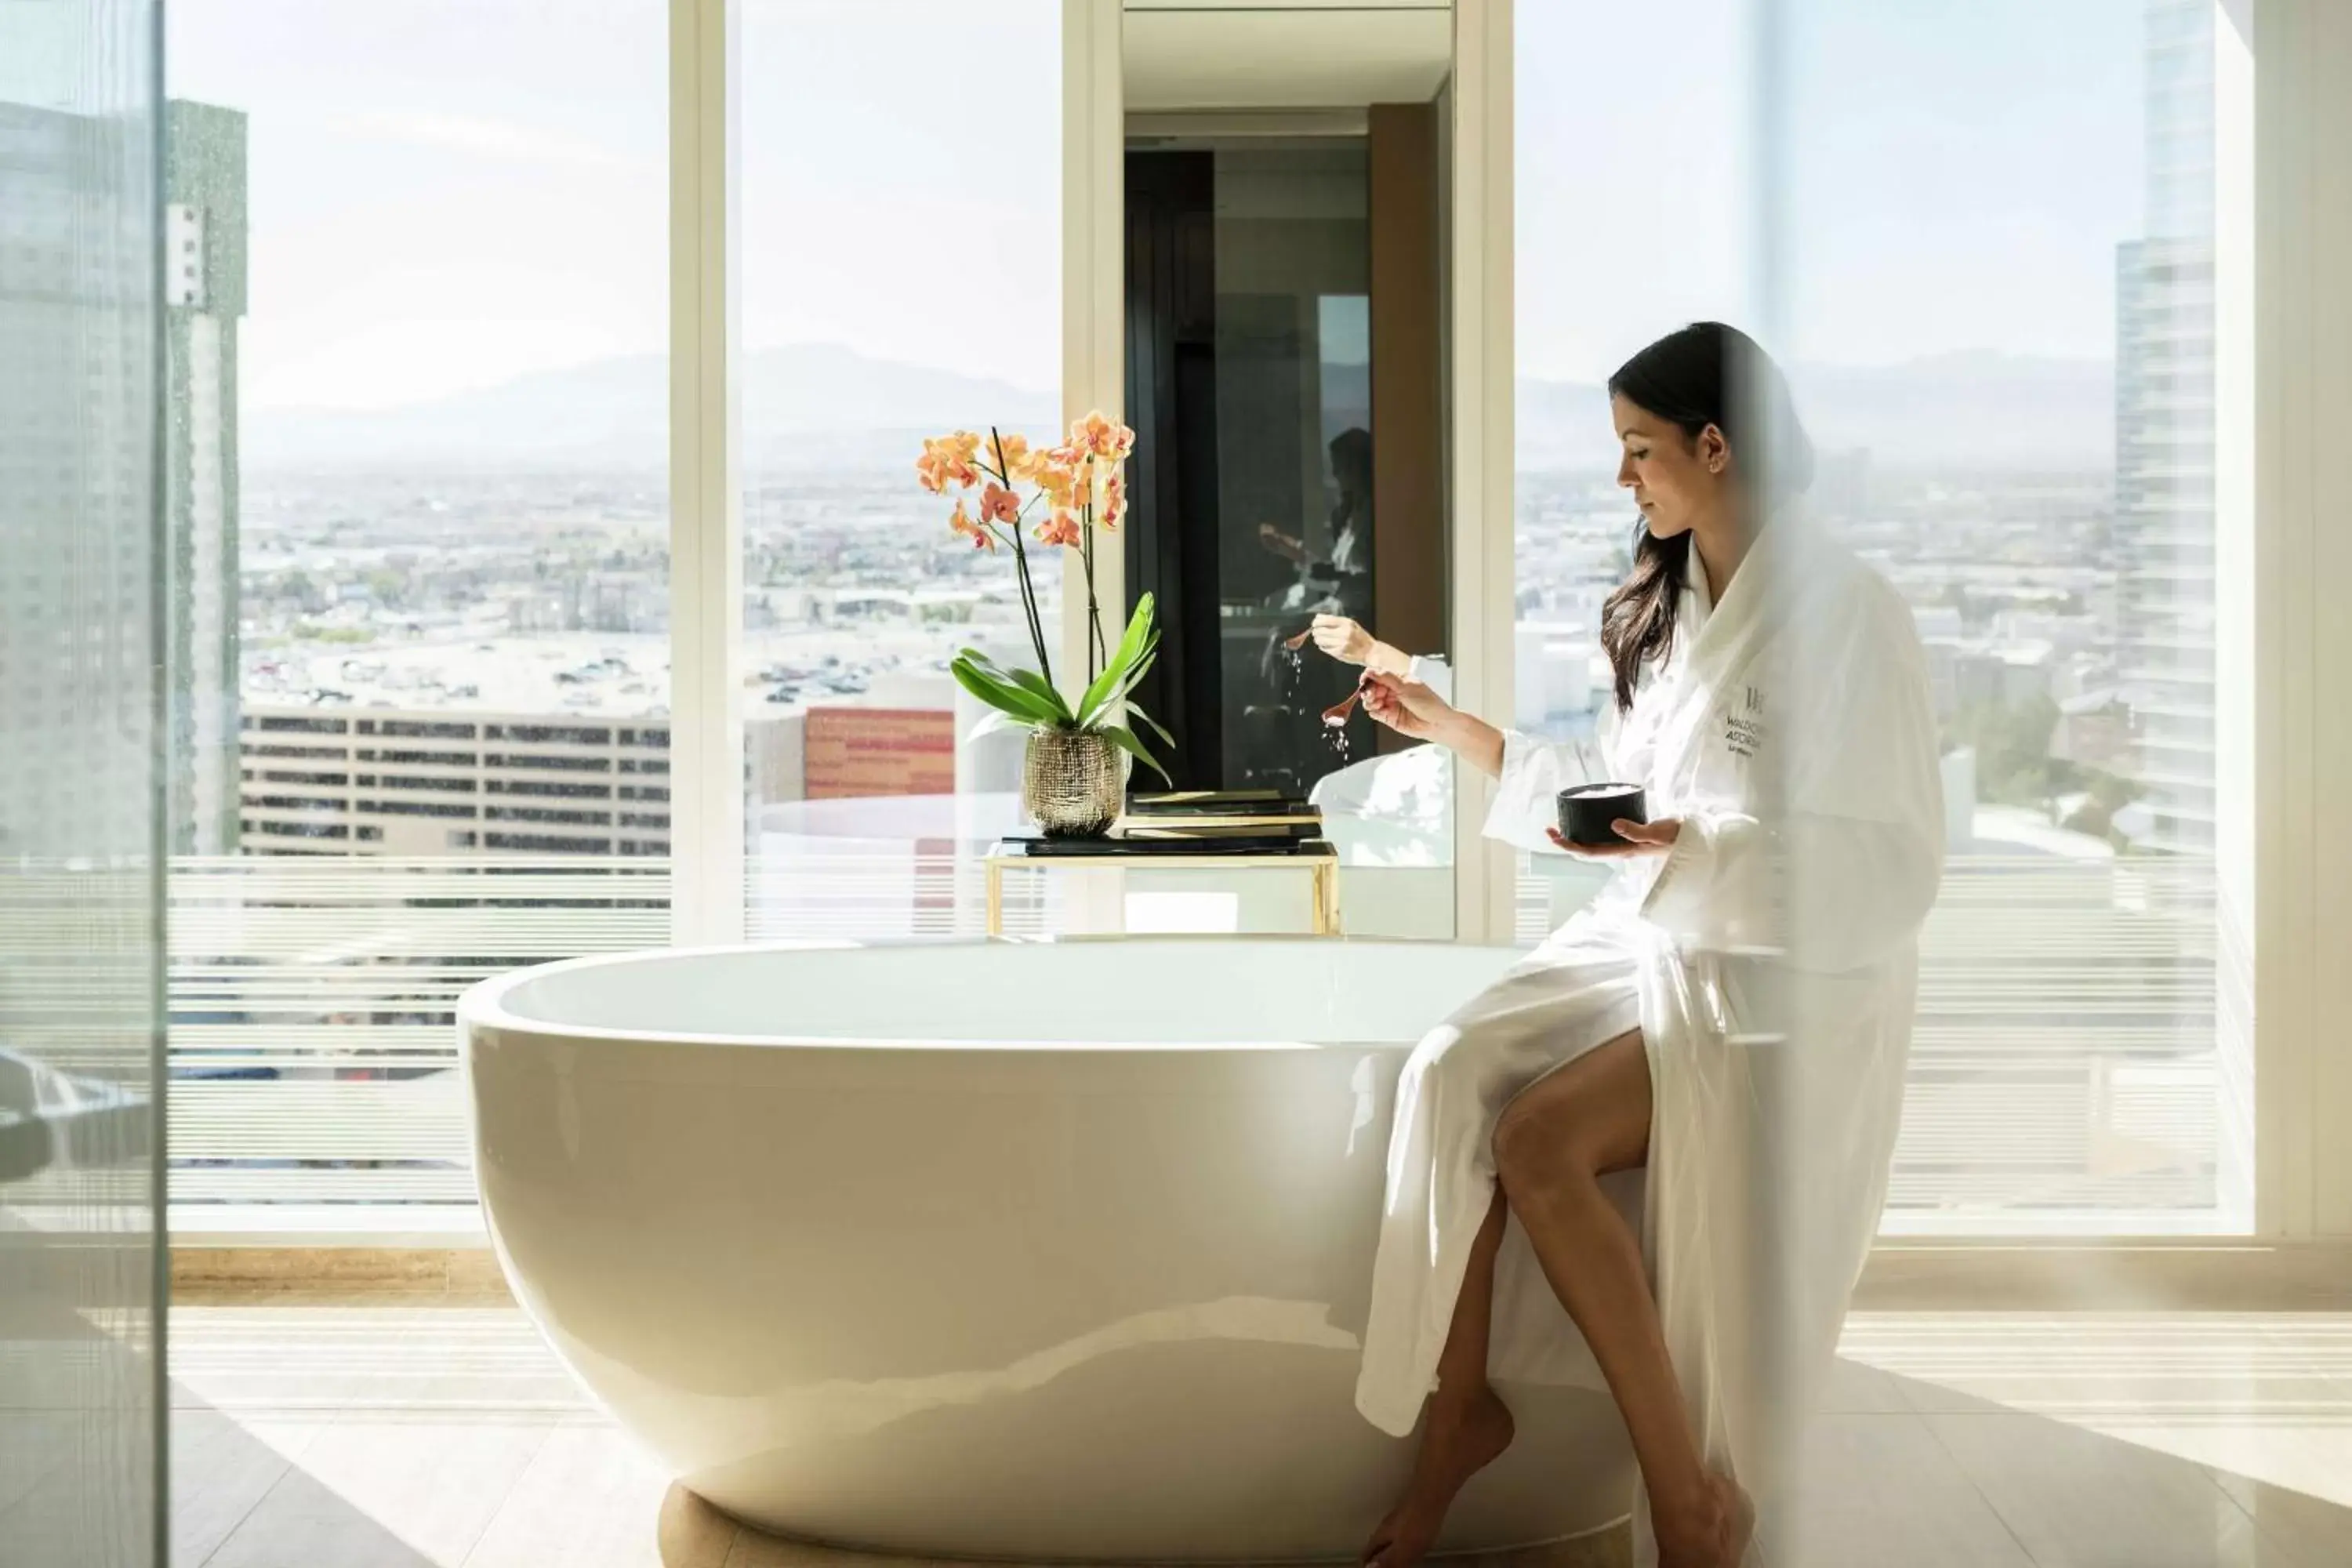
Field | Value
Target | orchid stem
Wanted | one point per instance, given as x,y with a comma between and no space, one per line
1021,562
1093,615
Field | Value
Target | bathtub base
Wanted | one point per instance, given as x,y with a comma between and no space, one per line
693,1533
1210,1453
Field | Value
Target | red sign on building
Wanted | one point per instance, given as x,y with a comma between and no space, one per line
853,753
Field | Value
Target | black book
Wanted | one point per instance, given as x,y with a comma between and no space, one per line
1213,803
1171,843
1207,829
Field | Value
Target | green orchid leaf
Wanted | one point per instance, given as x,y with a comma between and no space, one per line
1139,628
1037,686
1135,711
1022,707
1124,738
996,721
1028,680
1128,679
1121,679
1139,635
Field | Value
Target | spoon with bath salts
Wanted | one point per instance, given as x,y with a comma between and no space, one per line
1337,713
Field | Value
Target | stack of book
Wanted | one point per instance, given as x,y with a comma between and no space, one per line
1200,821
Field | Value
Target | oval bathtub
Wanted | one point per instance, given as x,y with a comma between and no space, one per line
1043,1251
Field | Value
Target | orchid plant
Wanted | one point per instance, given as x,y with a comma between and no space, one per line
1073,491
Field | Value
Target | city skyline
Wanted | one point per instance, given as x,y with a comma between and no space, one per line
1959,409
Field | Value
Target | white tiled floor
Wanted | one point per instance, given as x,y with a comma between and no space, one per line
315,1436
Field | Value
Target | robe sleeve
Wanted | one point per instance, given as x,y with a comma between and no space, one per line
1534,772
1432,670
1844,875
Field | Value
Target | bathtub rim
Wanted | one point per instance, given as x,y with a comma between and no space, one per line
483,1004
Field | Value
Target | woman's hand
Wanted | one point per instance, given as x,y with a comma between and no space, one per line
1642,838
1281,543
1343,640
1407,707
1350,643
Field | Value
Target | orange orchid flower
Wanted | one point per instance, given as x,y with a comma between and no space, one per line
964,523
948,461
1100,437
1054,479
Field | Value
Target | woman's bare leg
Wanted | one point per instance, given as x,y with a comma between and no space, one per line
1467,1425
1552,1146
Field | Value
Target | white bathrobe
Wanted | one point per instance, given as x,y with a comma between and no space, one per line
1769,961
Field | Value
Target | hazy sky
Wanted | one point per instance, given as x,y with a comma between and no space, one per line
446,193
1958,175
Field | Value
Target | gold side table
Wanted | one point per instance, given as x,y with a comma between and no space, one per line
1322,865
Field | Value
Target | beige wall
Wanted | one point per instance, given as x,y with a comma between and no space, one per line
1409,574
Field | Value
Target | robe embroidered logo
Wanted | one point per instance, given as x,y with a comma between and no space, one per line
1743,724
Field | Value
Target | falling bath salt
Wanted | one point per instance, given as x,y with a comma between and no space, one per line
1335,721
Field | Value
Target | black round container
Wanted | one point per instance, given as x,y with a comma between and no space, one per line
1587,811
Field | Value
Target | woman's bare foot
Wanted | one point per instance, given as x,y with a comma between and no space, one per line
1457,1446
1711,1531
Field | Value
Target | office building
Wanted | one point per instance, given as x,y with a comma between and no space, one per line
2164,439
204,276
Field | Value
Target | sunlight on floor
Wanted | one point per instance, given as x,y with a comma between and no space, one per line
402,1437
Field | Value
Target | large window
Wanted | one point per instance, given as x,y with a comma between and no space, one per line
418,443
901,277
1987,261
421,421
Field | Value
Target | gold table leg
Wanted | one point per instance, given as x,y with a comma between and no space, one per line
995,898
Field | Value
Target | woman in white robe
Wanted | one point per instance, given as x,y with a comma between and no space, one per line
1673,1121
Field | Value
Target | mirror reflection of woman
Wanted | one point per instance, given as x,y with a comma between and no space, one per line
1295,752
1756,946
1342,574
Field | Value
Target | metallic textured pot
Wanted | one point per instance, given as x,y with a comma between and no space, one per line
1073,785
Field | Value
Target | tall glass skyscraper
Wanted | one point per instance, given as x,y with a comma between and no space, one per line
203,295
2163,437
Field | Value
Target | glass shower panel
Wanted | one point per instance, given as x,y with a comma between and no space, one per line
81,609
2007,360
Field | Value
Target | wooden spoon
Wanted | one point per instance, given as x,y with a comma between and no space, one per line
1337,713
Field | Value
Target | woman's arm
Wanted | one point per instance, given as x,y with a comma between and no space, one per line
1476,742
1348,641
1412,709
1530,772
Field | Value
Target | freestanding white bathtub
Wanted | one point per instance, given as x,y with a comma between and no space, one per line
1023,1251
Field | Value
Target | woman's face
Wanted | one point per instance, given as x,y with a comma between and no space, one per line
1677,479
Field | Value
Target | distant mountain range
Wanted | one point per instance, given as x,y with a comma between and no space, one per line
616,411
1980,408
815,399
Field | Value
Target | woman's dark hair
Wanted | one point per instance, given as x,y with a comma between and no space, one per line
1351,458
1706,373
